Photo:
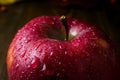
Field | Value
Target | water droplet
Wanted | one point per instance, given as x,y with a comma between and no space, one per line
74,22
19,49
28,40
22,72
24,39
58,74
34,25
44,67
89,28
65,52
33,29
59,63
17,65
35,62
51,53
22,54
60,47
31,72
28,66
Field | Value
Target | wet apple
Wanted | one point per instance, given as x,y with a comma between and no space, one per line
61,48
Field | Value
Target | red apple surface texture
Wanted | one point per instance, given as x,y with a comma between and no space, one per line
61,48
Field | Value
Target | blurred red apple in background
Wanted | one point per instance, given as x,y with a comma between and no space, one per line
81,3
85,4
113,1
61,48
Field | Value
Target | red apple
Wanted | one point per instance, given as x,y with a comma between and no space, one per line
113,4
113,1
61,48
86,4
108,3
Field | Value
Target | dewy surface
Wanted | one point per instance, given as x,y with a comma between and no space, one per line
39,51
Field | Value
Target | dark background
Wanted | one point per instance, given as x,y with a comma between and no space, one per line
106,17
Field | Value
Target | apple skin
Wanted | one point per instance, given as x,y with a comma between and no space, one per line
40,51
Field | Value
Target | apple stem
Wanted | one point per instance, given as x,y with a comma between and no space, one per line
64,22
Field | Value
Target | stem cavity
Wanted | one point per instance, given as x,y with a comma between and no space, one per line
64,22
